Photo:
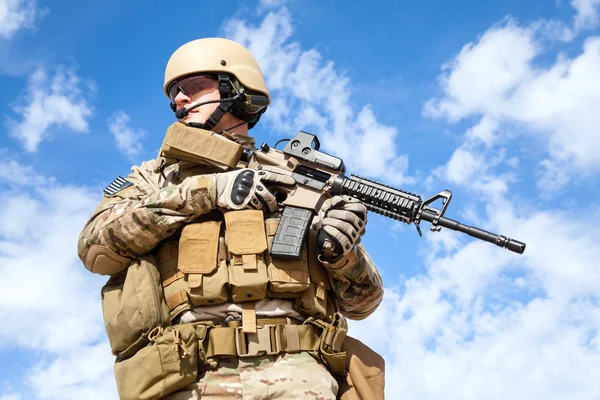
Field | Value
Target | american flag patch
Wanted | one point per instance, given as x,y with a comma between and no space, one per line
117,185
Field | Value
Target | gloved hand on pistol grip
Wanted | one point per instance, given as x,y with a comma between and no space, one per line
247,188
343,220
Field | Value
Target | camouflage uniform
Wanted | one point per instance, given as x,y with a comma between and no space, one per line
287,376
165,196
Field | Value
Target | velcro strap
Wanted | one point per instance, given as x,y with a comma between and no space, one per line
292,338
276,321
321,292
340,332
167,261
222,253
194,280
221,342
249,316
286,275
249,262
171,276
329,335
167,253
271,225
260,322
176,299
308,336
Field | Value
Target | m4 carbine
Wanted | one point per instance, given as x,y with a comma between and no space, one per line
318,176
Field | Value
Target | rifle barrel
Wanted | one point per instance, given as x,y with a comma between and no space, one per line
403,206
499,240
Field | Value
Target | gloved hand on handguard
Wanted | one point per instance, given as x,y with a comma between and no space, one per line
343,221
247,188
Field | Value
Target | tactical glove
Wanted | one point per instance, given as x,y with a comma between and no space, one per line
343,222
247,188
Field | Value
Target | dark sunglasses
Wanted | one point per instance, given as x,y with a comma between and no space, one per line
191,85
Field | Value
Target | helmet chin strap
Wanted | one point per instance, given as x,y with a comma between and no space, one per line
216,116
227,105
213,119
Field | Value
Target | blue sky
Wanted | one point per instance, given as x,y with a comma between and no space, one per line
494,100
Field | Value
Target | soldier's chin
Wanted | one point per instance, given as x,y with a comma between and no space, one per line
195,117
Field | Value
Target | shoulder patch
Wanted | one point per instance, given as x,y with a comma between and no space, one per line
116,186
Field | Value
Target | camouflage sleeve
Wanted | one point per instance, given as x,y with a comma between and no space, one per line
356,284
136,219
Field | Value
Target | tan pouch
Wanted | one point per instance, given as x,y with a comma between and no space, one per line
205,274
246,244
181,292
198,247
167,364
313,301
213,287
133,304
173,282
198,145
287,278
366,373
330,343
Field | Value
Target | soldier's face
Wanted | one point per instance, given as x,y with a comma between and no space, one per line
197,89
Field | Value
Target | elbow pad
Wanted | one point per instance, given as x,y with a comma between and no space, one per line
103,261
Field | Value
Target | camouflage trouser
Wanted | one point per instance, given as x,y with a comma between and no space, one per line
287,376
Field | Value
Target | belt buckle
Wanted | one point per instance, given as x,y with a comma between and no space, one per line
258,343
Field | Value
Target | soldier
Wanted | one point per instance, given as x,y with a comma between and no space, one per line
194,307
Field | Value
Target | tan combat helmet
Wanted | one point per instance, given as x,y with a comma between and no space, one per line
236,69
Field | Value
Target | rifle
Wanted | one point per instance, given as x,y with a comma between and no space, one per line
319,176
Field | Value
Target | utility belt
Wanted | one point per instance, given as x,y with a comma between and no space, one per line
176,354
276,335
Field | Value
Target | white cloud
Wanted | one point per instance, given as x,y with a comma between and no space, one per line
485,323
585,18
49,303
586,13
484,131
482,322
483,75
128,140
499,80
13,173
76,377
11,396
16,15
318,93
61,100
38,234
462,165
